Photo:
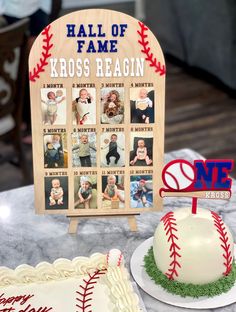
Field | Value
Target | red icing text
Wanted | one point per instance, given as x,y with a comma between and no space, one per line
20,300
12,300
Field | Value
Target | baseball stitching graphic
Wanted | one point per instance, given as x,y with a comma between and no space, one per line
192,248
179,175
86,291
47,46
224,239
143,41
170,227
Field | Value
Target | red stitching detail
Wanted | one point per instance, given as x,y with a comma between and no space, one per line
119,260
174,178
228,259
84,297
147,50
39,68
184,173
108,255
170,228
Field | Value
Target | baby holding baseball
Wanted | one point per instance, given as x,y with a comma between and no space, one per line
85,192
111,191
53,99
82,150
56,194
143,107
141,154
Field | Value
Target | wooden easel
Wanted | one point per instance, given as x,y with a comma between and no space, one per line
74,220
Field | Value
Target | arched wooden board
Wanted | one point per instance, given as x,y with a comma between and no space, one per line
75,65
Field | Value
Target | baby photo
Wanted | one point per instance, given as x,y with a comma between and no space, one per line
53,103
55,151
85,192
84,106
113,191
112,149
112,106
141,191
141,146
84,149
142,105
56,192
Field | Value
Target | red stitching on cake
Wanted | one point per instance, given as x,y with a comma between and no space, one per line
147,50
119,260
171,232
108,256
84,296
46,47
228,259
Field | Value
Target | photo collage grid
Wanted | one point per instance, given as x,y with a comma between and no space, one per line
110,137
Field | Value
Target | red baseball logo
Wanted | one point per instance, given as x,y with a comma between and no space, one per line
146,50
178,175
45,54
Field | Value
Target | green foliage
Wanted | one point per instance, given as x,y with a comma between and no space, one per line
222,285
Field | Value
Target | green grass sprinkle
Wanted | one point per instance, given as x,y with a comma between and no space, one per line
218,287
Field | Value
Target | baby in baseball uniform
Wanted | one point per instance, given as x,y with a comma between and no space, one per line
140,192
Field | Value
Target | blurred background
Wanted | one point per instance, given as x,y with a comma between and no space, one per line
199,43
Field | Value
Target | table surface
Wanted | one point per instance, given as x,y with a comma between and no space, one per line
30,238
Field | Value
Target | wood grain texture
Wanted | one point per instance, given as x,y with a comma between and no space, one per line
133,44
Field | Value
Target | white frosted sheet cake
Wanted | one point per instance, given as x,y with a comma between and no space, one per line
99,283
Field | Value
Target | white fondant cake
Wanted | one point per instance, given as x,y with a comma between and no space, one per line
81,285
193,248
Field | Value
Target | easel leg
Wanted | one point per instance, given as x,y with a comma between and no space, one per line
132,223
73,225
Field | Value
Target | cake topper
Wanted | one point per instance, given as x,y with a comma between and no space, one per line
207,179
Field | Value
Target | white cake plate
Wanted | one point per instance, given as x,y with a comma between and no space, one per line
156,291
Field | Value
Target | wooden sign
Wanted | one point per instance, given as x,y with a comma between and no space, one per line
97,83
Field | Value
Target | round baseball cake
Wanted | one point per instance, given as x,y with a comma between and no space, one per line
192,254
